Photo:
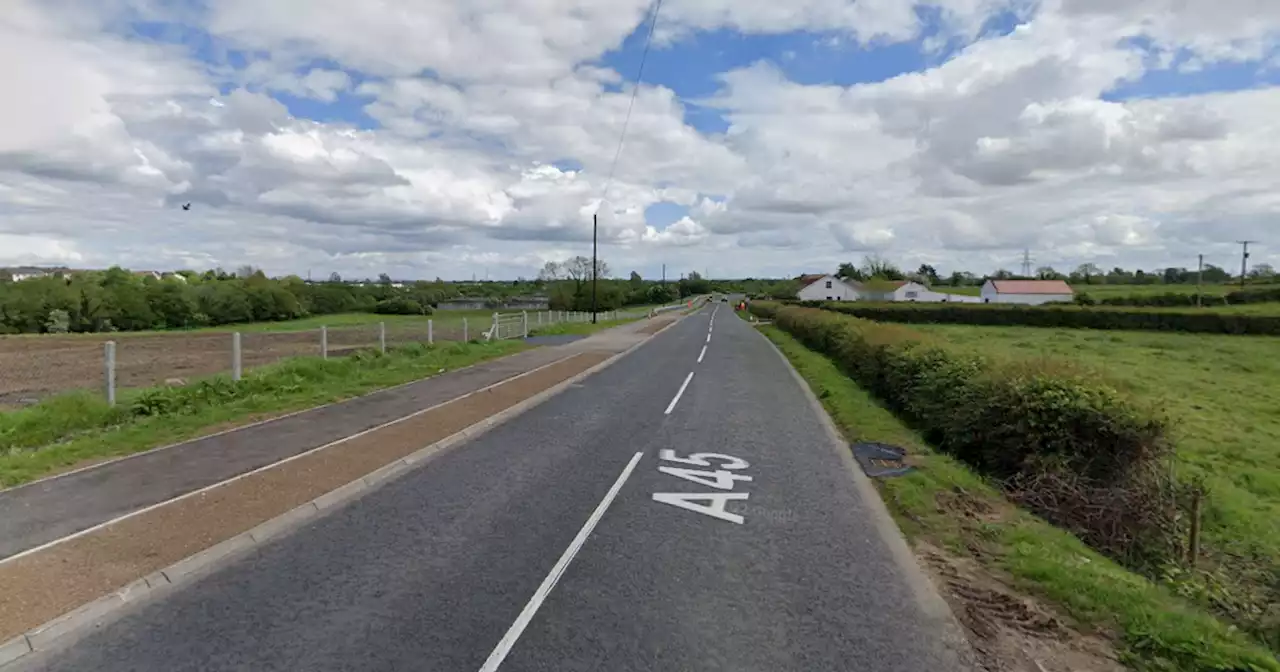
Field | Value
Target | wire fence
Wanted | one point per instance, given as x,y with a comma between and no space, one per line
35,367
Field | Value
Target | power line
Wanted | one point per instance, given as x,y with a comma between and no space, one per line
644,56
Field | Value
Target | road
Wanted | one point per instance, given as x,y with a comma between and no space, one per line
585,534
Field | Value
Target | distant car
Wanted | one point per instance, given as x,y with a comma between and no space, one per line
724,299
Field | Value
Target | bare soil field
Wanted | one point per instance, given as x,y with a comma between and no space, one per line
35,367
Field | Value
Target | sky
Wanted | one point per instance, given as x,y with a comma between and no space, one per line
477,138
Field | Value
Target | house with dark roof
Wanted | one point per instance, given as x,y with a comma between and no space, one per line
1026,292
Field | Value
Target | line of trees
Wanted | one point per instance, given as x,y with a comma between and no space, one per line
120,300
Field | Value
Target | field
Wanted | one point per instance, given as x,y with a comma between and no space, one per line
33,366
1220,394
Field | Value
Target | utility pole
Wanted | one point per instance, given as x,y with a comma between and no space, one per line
595,265
1026,263
664,274
1199,281
1244,259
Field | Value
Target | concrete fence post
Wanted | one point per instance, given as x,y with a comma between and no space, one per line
539,318
465,335
382,337
235,357
524,322
324,341
431,332
493,334
109,369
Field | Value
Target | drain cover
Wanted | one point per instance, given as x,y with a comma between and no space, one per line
880,460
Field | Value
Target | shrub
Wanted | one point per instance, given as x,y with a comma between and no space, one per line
1075,317
1069,447
58,322
1254,295
400,306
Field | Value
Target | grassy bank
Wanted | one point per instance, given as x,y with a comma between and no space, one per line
947,505
69,430
578,328
1222,393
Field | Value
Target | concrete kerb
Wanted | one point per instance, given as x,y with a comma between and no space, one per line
931,603
82,621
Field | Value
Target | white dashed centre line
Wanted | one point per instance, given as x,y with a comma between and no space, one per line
508,640
702,354
676,399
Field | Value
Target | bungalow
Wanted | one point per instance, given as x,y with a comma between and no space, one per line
818,287
1027,292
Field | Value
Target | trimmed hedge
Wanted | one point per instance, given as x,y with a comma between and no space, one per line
1075,317
1062,443
1254,296
1166,300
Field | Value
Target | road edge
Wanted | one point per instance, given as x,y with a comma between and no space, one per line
83,620
927,596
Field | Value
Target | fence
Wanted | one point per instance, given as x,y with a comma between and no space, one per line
34,367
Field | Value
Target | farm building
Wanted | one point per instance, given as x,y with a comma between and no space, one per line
1028,292
830,288
819,287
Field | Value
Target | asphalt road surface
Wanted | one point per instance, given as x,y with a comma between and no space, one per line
591,533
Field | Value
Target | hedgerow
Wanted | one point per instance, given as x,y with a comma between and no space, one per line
1066,445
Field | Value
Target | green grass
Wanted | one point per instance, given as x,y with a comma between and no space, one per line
1103,291
1222,396
577,328
67,430
1154,629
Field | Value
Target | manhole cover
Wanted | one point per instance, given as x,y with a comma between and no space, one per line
880,460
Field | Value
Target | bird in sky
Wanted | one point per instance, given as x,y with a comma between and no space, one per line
186,206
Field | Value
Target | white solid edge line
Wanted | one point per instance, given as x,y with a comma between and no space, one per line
702,354
522,621
676,399
272,465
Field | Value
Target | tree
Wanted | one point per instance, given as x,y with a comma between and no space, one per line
875,266
1047,273
550,272
334,277
850,272
246,271
578,268
1215,275
1086,273
1002,274
384,279
636,281
929,274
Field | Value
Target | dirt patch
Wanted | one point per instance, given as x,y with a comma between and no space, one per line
39,587
1011,632
33,367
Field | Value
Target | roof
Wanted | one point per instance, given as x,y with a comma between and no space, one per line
1031,287
810,278
878,285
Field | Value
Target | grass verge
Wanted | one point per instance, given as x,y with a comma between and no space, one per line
73,429
578,328
1221,391
947,505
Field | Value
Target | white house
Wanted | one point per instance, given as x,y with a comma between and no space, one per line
825,288
899,290
1027,292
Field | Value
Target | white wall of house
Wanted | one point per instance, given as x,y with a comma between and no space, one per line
914,291
989,295
828,288
960,298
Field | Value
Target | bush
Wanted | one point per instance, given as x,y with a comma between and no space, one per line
400,306
1254,296
1067,446
1075,317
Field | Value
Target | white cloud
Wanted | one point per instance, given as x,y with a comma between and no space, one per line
1010,142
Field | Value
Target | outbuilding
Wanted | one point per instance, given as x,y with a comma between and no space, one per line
1026,292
